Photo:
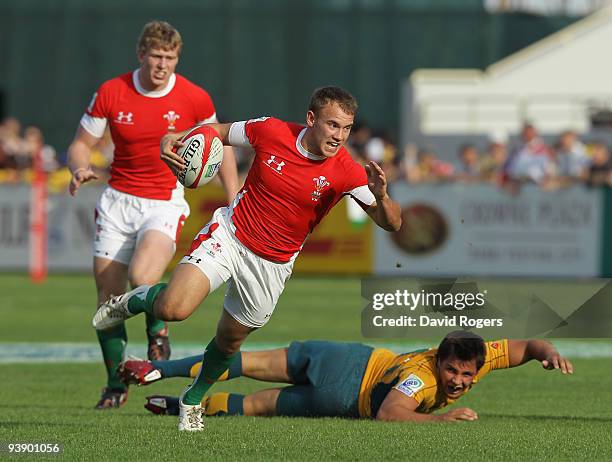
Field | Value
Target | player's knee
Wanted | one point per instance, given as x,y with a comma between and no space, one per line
228,346
172,309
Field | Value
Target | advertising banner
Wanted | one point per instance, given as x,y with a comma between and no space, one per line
70,228
459,229
339,245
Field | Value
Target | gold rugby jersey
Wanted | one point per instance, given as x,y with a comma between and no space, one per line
415,374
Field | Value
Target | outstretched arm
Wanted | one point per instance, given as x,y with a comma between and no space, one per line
228,174
398,407
522,351
79,153
385,212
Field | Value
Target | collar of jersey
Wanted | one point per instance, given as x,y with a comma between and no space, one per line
153,94
304,152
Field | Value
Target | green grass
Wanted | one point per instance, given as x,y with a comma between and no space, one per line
61,310
524,412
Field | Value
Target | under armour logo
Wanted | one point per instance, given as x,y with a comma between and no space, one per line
274,165
192,258
123,118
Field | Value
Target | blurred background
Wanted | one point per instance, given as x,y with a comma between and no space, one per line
492,119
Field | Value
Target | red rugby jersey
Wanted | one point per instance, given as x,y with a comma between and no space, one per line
138,120
288,190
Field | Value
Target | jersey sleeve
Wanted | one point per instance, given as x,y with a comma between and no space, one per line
205,109
256,130
418,385
357,184
237,135
97,112
496,357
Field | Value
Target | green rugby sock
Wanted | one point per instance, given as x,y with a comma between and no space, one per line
214,363
154,325
139,304
222,404
235,369
177,367
113,341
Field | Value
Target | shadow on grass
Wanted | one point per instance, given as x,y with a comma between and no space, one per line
551,417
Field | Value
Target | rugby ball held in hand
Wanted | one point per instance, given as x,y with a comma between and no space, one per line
203,154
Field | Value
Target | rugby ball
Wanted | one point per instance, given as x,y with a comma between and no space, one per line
203,154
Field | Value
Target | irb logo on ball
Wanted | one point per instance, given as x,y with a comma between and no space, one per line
212,170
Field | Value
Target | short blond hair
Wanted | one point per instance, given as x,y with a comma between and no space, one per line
159,34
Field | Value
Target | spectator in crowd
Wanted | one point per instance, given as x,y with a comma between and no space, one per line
6,161
532,161
493,162
573,162
600,170
381,149
10,142
469,163
360,135
34,143
425,167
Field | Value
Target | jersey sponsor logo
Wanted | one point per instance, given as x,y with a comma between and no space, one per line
275,165
495,345
320,184
126,118
410,385
171,117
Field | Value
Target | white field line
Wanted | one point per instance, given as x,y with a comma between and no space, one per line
90,352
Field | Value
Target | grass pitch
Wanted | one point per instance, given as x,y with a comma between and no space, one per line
524,412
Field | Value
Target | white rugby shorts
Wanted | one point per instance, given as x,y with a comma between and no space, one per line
122,219
254,284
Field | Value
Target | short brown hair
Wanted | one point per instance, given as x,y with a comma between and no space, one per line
464,346
159,34
326,95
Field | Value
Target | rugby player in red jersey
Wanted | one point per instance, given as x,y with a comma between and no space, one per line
140,214
298,174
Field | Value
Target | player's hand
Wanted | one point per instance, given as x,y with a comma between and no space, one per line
556,361
462,413
377,180
168,146
80,176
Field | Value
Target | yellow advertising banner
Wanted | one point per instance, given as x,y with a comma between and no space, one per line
337,246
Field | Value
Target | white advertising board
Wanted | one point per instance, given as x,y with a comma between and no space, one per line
467,229
70,225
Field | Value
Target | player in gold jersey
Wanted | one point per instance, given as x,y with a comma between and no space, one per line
355,380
